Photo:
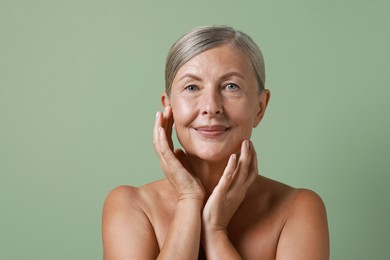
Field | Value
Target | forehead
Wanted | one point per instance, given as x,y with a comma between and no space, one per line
217,59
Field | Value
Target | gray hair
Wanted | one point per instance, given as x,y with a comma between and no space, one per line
202,39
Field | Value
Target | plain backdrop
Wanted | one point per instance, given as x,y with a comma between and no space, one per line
80,83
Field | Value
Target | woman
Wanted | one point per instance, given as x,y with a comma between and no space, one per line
213,204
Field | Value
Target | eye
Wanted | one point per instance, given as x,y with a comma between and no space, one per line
231,87
191,88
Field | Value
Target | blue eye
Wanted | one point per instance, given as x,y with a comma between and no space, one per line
191,88
231,87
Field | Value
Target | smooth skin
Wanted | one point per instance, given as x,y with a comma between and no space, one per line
212,203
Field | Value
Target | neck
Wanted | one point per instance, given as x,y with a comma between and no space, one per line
208,172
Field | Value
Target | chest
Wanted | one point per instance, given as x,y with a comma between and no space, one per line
253,232
256,236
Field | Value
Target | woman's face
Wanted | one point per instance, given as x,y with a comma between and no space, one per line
215,103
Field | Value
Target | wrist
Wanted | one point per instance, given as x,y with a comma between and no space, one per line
190,203
213,232
192,198
217,244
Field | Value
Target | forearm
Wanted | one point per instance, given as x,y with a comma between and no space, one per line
217,245
183,238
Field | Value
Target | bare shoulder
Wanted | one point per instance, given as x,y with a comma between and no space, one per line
126,228
292,200
278,221
305,233
127,197
304,227
305,201
274,193
123,199
120,195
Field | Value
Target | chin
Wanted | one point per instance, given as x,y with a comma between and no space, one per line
212,154
212,157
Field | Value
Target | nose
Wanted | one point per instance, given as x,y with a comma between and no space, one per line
211,104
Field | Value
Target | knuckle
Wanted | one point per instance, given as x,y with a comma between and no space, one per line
164,152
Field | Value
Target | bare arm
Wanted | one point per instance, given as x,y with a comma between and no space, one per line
128,233
183,238
126,230
305,234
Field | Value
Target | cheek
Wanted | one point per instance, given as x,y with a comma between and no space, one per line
183,113
241,114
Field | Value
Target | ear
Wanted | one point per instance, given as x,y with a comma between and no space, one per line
262,106
165,100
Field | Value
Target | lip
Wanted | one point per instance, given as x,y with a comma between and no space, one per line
212,130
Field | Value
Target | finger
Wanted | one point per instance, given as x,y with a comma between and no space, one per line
253,168
241,172
182,157
168,122
160,122
165,117
227,176
156,134
166,154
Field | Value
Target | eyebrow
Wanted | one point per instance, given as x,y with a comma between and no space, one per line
233,73
189,75
224,76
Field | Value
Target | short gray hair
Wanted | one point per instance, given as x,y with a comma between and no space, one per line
202,39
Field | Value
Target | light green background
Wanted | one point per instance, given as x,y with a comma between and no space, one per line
80,84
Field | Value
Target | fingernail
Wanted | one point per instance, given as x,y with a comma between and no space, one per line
247,144
156,114
234,157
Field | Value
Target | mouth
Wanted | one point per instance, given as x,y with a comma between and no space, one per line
212,130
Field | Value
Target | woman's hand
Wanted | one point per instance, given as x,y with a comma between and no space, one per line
227,196
175,163
224,201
